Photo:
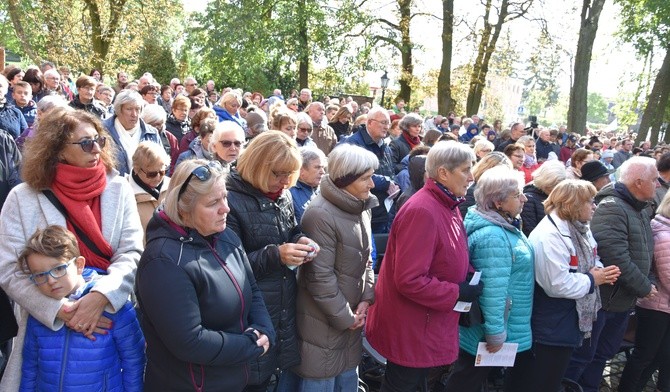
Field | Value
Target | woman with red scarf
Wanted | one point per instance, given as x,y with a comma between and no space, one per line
70,180
411,126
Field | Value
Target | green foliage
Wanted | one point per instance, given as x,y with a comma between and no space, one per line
157,58
258,45
596,109
645,23
540,88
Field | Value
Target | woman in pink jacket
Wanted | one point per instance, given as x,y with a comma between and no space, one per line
412,322
652,337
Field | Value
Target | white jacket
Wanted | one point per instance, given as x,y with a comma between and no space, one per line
27,210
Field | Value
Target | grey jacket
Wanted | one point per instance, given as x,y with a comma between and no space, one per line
332,285
622,230
26,210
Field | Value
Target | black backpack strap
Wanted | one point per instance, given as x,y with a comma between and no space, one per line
80,233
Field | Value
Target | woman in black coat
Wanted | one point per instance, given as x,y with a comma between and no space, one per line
261,213
545,178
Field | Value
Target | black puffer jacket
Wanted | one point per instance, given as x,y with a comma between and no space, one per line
533,209
622,230
93,107
198,297
262,225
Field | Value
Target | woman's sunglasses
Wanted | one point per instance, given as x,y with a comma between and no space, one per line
202,173
154,174
87,145
228,143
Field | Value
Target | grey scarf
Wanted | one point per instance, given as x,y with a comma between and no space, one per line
588,305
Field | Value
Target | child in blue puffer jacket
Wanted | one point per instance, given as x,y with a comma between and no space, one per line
65,360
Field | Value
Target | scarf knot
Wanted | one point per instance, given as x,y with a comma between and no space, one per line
79,190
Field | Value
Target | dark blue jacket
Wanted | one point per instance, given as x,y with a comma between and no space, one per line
198,298
11,120
10,161
66,360
29,112
383,175
147,133
225,116
302,194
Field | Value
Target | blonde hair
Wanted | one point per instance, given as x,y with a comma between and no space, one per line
547,176
568,197
148,153
179,209
270,151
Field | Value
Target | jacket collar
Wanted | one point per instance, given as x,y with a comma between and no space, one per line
343,200
432,187
623,193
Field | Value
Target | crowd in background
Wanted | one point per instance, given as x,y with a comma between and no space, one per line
189,198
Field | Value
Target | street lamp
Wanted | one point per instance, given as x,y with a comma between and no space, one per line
385,84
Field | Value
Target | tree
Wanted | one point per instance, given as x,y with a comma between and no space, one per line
157,58
445,102
596,108
90,33
645,23
540,86
506,11
578,91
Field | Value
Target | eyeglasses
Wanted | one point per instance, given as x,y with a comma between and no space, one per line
56,273
384,123
87,145
154,174
203,173
282,175
305,129
228,143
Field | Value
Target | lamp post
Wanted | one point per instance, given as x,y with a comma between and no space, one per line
385,84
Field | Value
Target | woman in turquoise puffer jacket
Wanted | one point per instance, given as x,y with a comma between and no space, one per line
504,256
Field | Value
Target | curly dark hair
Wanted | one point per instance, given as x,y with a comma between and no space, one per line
42,151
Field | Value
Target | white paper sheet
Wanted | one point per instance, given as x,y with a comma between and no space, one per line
504,357
464,307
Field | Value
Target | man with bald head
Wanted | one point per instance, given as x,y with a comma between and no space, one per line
622,230
544,145
190,84
323,134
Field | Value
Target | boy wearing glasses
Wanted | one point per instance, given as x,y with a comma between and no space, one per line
65,359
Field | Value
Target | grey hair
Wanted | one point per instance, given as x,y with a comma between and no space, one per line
310,154
52,72
495,185
547,176
128,96
525,138
482,144
153,113
51,101
303,117
178,209
409,120
376,110
225,127
349,159
448,154
4,81
636,167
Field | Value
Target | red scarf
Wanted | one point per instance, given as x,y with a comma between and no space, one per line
274,195
413,141
79,190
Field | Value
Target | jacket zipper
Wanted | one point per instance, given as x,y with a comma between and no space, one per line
239,293
64,359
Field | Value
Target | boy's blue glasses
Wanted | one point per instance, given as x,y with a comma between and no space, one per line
56,272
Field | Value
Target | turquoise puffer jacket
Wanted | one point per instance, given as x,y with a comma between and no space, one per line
505,257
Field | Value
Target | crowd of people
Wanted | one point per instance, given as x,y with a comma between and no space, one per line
170,237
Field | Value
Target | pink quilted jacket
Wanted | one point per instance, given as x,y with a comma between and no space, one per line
661,266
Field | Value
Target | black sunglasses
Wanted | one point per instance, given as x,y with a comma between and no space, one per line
153,174
203,173
87,145
228,143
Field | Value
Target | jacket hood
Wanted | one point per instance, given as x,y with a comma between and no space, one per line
345,201
620,191
476,219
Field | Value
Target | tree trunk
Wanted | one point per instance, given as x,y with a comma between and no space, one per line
652,118
445,102
16,16
487,46
407,73
579,91
303,55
